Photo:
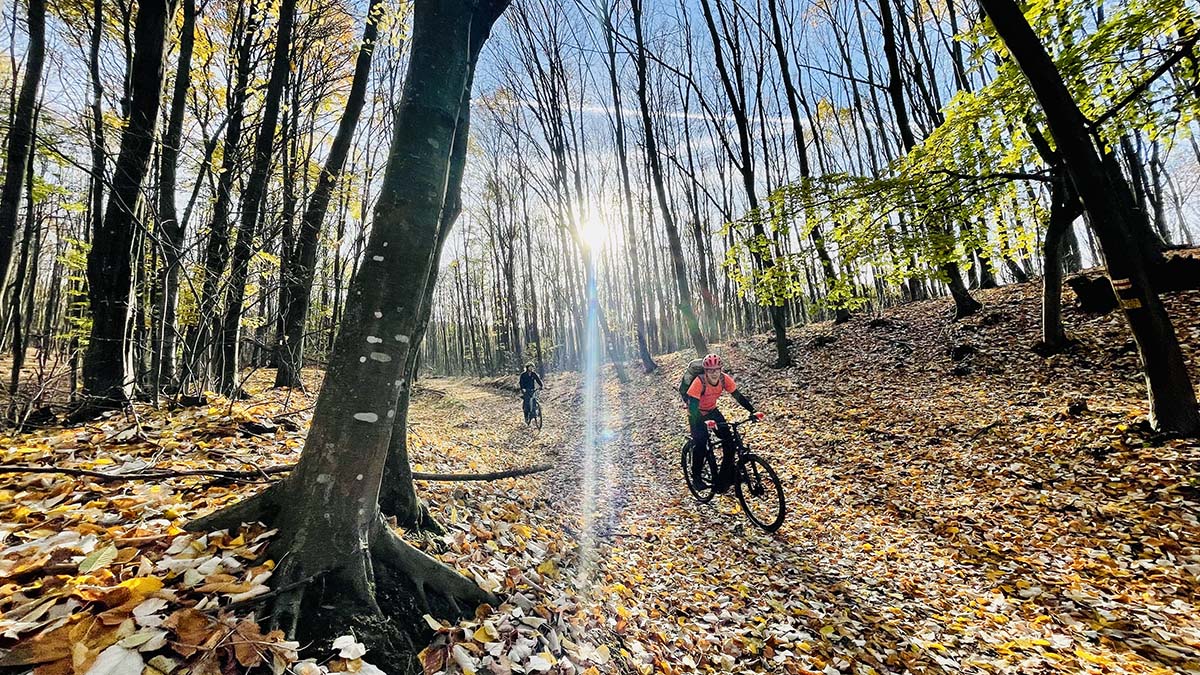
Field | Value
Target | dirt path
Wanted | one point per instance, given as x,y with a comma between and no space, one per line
955,505
860,579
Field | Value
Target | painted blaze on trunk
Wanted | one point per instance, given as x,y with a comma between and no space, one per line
1108,200
327,511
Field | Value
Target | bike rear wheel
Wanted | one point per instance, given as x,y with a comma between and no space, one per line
706,489
760,493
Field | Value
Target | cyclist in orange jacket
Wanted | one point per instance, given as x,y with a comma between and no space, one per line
703,413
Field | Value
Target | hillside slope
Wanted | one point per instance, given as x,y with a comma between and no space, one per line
1028,485
956,503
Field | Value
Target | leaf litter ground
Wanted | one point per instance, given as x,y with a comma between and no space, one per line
956,504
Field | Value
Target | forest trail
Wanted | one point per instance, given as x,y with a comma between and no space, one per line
934,525
955,504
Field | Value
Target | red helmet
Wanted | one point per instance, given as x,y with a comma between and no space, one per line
712,362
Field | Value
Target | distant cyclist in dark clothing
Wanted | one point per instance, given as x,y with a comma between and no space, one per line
528,379
703,394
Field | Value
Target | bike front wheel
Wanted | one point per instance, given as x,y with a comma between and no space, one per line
537,415
760,493
706,488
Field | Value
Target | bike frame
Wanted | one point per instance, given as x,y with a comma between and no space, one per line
534,404
714,443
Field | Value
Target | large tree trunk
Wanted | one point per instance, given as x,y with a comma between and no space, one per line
1107,199
677,262
110,263
20,136
172,235
330,521
252,196
398,496
303,261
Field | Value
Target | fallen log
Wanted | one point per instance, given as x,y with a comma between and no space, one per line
259,473
1180,271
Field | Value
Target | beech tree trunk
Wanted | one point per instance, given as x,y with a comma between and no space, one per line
639,304
330,521
252,196
964,304
172,229
398,496
678,265
106,375
1107,199
1064,209
303,261
20,136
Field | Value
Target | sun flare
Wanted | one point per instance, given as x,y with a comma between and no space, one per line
594,230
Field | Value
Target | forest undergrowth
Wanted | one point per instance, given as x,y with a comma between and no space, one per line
956,503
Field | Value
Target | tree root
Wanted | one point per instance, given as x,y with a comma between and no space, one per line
261,508
419,520
91,408
425,573
307,586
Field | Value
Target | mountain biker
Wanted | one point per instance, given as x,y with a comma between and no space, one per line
703,393
528,379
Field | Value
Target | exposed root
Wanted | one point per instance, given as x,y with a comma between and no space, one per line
360,574
286,610
261,508
421,521
91,408
378,590
426,574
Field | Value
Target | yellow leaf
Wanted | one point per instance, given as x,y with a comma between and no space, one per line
486,633
548,568
1092,658
143,585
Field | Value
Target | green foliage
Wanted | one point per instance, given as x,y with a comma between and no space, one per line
79,318
977,181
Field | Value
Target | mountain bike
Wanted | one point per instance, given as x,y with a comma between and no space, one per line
533,416
757,485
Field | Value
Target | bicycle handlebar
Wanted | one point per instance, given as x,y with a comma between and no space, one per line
755,417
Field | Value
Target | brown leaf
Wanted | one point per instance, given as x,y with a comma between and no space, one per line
193,628
52,646
248,643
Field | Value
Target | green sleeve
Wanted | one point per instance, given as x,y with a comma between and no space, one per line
693,410
742,400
